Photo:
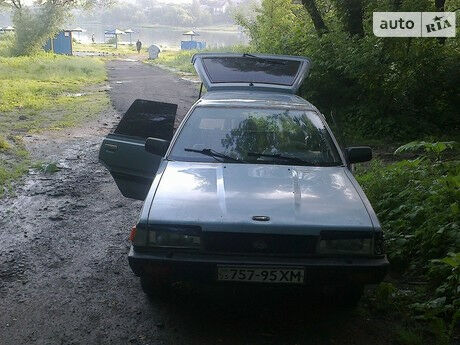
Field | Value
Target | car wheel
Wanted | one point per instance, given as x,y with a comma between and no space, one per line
155,288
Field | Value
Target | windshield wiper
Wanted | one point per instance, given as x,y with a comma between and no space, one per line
214,154
292,159
274,62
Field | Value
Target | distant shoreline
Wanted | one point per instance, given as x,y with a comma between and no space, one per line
210,28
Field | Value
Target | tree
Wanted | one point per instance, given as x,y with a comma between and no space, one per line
375,86
439,4
351,12
37,22
34,27
316,17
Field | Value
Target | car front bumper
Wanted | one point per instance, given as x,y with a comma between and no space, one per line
195,266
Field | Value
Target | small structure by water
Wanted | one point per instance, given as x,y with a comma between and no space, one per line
78,30
6,29
129,32
192,44
114,33
61,43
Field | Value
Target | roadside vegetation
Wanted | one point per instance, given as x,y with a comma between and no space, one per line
177,60
181,60
107,48
39,92
417,202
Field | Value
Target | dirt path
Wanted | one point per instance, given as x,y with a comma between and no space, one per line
133,80
64,276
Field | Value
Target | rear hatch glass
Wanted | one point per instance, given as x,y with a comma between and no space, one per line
246,71
250,70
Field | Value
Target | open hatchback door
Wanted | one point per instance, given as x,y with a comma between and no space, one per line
123,151
230,71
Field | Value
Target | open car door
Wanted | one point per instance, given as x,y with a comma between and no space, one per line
230,71
123,151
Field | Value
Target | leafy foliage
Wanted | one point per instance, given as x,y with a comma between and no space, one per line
418,203
6,44
433,150
34,26
377,87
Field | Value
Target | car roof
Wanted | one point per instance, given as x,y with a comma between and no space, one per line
255,99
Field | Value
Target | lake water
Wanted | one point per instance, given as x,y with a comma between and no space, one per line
165,37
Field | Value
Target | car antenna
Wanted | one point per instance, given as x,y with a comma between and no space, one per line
201,90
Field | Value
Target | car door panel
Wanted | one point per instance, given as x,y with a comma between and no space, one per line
123,151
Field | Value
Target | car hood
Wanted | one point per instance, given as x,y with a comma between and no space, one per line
225,197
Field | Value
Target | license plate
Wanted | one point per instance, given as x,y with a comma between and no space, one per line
258,274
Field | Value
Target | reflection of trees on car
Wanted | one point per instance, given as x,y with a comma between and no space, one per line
277,133
251,64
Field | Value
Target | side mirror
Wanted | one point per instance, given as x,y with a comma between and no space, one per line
156,146
358,154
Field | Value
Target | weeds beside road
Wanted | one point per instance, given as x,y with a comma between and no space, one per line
181,60
123,49
41,92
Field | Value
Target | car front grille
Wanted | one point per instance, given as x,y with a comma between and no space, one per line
244,243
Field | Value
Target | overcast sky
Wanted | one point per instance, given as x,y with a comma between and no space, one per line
175,1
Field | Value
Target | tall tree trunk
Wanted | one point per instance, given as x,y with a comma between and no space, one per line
439,4
396,5
315,15
352,14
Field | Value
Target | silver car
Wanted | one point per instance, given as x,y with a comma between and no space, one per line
252,187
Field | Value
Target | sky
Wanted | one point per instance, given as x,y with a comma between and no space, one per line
175,1
163,1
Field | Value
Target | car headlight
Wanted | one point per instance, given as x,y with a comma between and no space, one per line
359,246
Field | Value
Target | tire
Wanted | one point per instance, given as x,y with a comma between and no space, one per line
155,288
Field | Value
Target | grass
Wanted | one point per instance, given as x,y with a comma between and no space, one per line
180,60
6,42
39,82
123,49
39,93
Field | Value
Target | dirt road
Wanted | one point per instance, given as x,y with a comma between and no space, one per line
64,275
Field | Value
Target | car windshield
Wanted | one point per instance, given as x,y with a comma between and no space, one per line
251,135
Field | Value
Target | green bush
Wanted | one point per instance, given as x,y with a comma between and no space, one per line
399,88
6,44
417,203
34,26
